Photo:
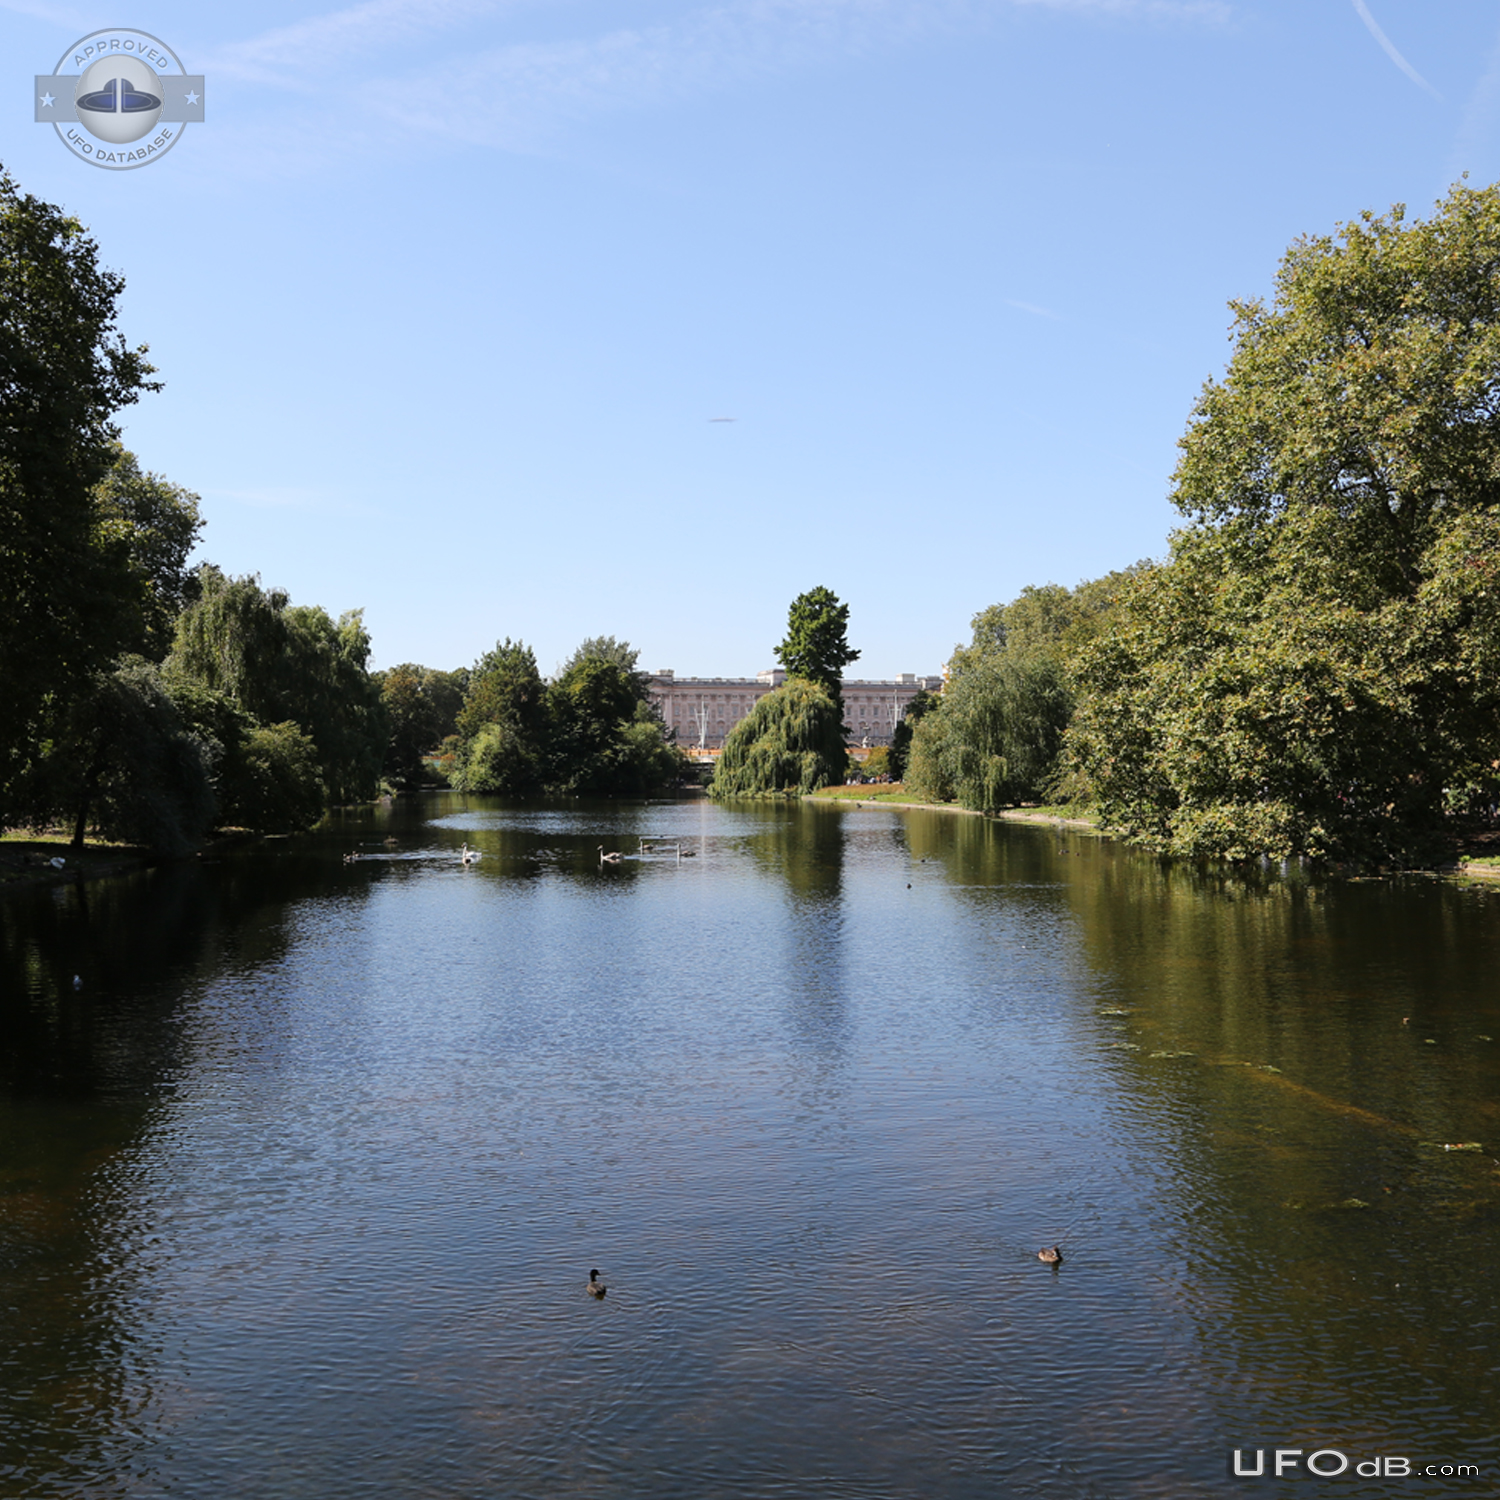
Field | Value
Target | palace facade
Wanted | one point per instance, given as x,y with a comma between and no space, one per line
704,709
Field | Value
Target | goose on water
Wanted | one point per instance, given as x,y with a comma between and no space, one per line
596,1287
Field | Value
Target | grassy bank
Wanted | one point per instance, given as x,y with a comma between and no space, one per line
27,859
897,794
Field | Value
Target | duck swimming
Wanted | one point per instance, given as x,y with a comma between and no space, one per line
1052,1257
596,1287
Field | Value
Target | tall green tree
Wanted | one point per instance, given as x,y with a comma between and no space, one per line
326,689
1313,672
413,722
817,647
505,687
589,706
64,372
502,727
603,648
125,762
155,524
233,640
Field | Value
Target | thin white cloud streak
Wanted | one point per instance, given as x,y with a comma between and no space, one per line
357,31
1363,11
708,50
59,15
542,88
1033,309
1477,130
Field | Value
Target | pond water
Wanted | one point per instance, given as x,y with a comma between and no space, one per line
300,1188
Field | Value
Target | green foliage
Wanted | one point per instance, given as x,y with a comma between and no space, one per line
927,775
817,647
998,729
592,732
505,688
125,763
603,648
901,736
498,760
446,691
1004,721
232,640
590,706
648,761
327,690
281,788
1268,704
876,763
791,743
64,372
278,663
1367,388
1314,671
502,727
412,723
155,525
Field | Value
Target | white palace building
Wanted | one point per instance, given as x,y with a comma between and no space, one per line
704,709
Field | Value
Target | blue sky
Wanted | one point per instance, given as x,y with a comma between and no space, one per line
446,293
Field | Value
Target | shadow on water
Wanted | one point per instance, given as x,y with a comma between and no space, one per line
85,1066
302,1183
1318,1064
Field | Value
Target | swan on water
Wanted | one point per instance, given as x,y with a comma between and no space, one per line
612,858
469,856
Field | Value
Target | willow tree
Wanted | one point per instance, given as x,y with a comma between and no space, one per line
789,744
997,730
279,663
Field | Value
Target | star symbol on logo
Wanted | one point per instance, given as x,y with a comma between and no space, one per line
192,97
46,101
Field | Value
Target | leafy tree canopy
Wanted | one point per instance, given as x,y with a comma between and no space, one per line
603,648
64,372
155,524
997,729
124,761
1314,671
412,719
505,688
1369,387
817,647
280,663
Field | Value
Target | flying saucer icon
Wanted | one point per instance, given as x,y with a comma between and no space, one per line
118,99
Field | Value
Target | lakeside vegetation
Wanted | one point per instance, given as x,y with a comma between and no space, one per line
1313,670
149,703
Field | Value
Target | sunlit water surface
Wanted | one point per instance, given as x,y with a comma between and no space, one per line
300,1190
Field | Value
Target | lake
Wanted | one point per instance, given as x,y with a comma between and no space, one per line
301,1185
